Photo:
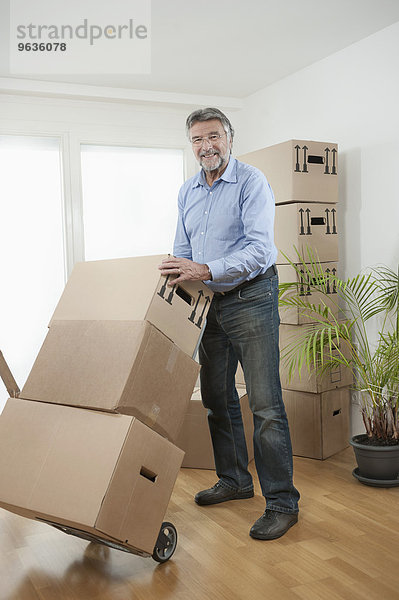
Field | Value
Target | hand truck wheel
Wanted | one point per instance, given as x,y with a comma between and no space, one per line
166,543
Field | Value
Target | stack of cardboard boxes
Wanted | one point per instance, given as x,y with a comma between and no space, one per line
89,444
304,178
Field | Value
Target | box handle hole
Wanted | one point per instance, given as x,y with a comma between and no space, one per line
316,160
184,295
144,472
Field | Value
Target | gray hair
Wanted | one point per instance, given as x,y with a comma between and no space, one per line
206,114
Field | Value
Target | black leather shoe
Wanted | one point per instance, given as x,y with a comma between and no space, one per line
272,525
220,493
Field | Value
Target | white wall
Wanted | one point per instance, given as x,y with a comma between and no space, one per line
352,98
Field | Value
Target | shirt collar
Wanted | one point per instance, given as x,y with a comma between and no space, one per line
229,175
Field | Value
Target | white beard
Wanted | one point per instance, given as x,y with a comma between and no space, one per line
211,165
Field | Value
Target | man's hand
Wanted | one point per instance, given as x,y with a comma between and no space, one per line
185,269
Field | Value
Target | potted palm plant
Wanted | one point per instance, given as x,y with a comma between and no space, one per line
364,337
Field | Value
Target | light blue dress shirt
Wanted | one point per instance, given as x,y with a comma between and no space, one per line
228,226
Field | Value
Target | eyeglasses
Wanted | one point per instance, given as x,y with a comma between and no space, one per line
212,139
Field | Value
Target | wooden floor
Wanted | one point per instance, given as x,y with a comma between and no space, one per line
345,546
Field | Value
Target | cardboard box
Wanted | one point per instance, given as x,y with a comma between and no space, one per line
294,315
105,474
299,170
132,289
311,382
8,378
123,366
195,438
319,423
306,225
240,379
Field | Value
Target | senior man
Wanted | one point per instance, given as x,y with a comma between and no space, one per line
224,237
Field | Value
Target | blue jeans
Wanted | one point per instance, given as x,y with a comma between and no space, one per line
243,326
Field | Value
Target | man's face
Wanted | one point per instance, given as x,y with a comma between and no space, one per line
211,155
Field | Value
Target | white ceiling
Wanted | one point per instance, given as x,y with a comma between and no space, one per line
236,47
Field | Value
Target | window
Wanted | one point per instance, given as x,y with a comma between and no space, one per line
129,200
31,247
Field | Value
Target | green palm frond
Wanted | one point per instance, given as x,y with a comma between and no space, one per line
387,283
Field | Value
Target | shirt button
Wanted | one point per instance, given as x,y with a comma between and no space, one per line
206,212
210,192
200,252
202,233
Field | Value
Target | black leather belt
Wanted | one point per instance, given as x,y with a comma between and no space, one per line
266,275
